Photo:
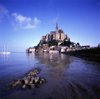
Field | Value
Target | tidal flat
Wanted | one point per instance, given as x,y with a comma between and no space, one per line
67,77
92,54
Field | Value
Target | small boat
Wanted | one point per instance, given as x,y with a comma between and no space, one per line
4,51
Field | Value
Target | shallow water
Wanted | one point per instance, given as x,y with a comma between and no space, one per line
67,77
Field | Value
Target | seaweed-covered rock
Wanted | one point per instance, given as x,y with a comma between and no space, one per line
36,79
23,86
28,74
28,77
31,86
43,80
33,72
40,82
15,83
30,80
25,80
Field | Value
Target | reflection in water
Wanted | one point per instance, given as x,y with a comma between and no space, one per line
30,55
67,77
5,58
70,77
54,60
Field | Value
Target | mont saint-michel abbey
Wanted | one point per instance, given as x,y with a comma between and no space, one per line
56,42
58,35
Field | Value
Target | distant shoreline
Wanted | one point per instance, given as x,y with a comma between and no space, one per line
92,54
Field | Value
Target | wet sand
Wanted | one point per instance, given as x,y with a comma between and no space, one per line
92,54
67,77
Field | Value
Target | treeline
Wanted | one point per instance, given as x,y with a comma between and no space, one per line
51,43
55,42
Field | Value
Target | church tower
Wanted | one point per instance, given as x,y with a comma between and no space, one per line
57,27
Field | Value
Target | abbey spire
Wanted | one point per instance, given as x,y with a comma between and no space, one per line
57,35
57,27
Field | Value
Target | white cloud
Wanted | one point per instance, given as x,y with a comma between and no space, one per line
29,26
36,21
19,21
19,17
24,22
3,12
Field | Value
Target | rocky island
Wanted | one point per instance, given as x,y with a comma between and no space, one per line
55,42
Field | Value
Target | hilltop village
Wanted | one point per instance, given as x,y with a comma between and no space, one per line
55,42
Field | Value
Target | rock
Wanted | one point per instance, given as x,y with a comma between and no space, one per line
28,77
34,74
31,73
31,86
36,79
28,74
25,80
43,80
32,78
23,87
40,82
40,78
30,82
37,71
17,82
14,84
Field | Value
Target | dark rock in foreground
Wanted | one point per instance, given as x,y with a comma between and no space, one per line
30,81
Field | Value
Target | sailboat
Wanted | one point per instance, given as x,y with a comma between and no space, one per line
4,51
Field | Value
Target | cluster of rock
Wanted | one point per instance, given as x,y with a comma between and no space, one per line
30,80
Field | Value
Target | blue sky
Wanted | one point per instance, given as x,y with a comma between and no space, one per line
24,22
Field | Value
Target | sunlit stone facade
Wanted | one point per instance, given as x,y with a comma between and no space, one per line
58,35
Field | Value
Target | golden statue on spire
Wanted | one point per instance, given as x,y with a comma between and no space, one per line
57,25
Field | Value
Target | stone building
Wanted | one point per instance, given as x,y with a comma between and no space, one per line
30,50
58,35
99,45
